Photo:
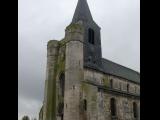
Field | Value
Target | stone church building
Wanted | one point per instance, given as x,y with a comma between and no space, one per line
82,85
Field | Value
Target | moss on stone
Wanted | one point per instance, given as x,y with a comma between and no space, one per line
59,66
74,26
91,96
105,81
61,62
62,42
94,98
81,75
60,98
51,103
85,87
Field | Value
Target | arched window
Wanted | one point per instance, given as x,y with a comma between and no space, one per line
60,108
91,36
61,104
127,87
134,110
113,107
85,104
62,81
111,83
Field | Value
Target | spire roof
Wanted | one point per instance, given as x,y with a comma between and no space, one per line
82,12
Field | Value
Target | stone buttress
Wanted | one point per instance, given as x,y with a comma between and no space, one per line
62,102
73,72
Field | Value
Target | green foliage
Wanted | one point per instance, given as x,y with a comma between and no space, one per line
25,117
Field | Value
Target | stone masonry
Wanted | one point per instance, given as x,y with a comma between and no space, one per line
80,84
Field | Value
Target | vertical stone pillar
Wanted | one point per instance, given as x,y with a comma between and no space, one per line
139,111
73,71
49,112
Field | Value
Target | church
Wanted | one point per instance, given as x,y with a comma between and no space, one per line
82,85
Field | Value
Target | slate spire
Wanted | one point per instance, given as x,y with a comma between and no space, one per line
82,12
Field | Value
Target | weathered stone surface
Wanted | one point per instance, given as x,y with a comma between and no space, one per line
76,88
124,105
82,83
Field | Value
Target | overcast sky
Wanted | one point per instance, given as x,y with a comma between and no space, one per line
42,20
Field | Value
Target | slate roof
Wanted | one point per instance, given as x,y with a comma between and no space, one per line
120,71
82,12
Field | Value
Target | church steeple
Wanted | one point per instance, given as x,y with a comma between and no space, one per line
82,12
91,36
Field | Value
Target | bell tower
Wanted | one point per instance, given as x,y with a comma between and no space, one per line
92,39
66,59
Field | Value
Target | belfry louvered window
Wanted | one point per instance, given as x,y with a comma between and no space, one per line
91,36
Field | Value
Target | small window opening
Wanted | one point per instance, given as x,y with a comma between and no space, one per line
85,104
91,36
99,90
60,108
113,106
111,83
134,110
62,81
127,87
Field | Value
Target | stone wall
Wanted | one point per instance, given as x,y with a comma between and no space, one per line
49,110
99,100
87,92
124,107
73,71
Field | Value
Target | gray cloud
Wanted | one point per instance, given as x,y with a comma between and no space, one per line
42,20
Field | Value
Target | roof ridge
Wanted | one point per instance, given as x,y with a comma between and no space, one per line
121,65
